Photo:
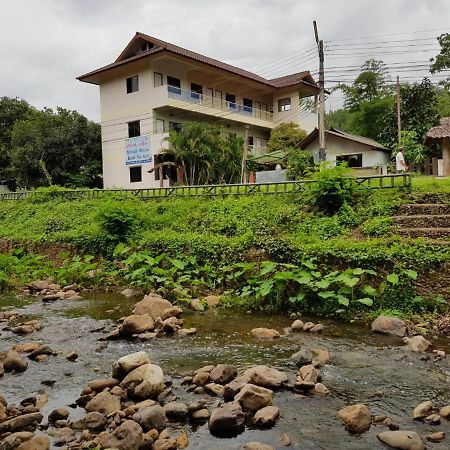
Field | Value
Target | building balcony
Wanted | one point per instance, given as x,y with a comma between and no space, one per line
173,97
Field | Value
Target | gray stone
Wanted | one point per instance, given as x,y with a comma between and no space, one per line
127,363
176,411
146,381
223,373
356,418
389,325
266,417
252,397
302,357
417,344
266,377
104,403
265,333
137,324
150,418
128,436
402,440
13,361
152,305
24,422
227,421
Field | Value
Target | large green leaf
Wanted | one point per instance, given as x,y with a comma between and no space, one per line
365,301
326,294
410,273
392,278
344,301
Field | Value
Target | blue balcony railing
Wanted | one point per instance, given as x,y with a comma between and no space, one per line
217,103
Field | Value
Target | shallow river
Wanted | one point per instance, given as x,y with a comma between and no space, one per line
362,363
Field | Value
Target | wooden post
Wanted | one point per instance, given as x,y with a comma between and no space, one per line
245,156
434,166
446,156
399,121
427,167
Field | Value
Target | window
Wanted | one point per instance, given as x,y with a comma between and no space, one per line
250,140
231,100
174,85
132,84
284,104
196,91
175,126
134,129
354,160
160,126
219,94
135,174
158,79
248,105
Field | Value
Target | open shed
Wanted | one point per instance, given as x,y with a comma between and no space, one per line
440,134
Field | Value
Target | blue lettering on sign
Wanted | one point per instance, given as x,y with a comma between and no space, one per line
138,150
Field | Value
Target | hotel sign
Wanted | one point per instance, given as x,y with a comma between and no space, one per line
138,150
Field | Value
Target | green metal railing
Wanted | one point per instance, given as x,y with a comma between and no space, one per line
216,190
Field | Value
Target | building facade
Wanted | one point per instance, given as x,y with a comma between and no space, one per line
362,154
154,87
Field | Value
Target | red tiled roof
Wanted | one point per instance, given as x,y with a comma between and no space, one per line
288,80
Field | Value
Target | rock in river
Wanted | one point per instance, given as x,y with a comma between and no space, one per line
356,418
153,306
252,397
104,403
136,324
128,436
389,325
13,361
265,333
226,421
223,373
127,363
266,417
151,418
417,343
36,443
402,440
146,381
266,376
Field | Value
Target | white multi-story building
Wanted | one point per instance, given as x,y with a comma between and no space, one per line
154,87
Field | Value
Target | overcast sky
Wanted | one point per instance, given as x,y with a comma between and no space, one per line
45,44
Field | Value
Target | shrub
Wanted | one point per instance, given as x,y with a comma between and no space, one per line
299,164
332,188
120,220
377,226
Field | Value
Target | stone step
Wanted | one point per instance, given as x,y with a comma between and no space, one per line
424,209
423,220
417,232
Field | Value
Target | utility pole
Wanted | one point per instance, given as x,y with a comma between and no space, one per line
244,156
399,120
321,118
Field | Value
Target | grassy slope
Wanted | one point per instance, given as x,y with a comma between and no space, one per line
233,228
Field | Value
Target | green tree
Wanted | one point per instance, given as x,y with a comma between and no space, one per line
60,147
299,164
413,150
442,61
286,137
370,84
207,153
12,110
419,112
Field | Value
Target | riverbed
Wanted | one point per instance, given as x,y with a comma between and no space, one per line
362,363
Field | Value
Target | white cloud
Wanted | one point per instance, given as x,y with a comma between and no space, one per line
45,44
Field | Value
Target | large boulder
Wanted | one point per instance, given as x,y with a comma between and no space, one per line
389,325
252,397
265,333
35,443
177,411
422,410
302,357
417,344
266,377
152,305
266,417
227,421
25,422
128,436
104,403
402,440
356,418
151,418
136,324
223,373
127,363
146,381
13,361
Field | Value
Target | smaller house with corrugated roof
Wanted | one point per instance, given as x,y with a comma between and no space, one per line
363,154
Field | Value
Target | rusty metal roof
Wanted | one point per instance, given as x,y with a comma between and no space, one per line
277,83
